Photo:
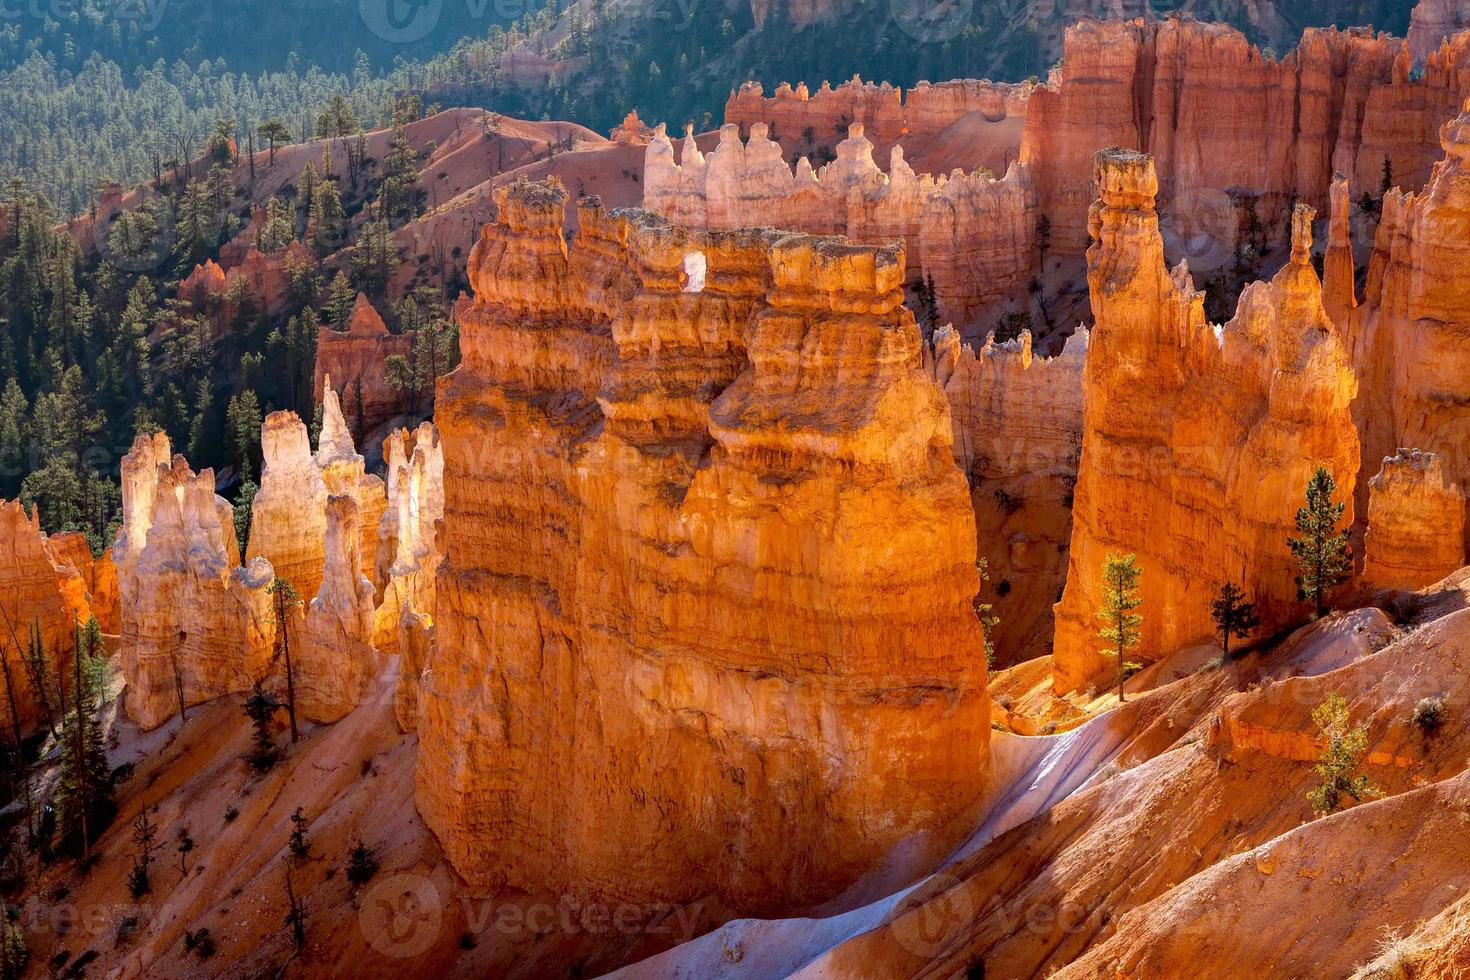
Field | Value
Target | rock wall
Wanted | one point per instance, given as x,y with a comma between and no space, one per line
1198,440
408,550
195,625
888,114
1228,126
38,584
1017,436
709,525
356,357
337,663
1411,327
288,520
1416,523
973,234
264,279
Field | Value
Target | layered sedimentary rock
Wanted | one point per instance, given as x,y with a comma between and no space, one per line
1234,133
888,114
973,234
195,625
1017,435
1339,287
288,523
1431,21
336,664
288,519
1416,523
1197,440
408,551
415,647
1410,330
356,358
703,523
37,585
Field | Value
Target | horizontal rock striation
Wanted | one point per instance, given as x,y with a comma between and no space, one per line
1198,441
1416,523
702,516
973,234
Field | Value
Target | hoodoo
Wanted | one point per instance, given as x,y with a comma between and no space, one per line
1197,439
714,532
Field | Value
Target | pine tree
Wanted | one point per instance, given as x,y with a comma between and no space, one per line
37,665
1322,551
184,847
261,707
84,793
296,911
300,849
285,600
145,833
1120,623
1233,616
275,133
1341,755
242,421
985,612
244,500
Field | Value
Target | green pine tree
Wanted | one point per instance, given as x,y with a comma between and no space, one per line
1342,753
1121,624
1322,551
1233,615
84,794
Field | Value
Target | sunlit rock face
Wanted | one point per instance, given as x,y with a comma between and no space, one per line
1235,134
40,585
1410,329
1197,441
972,234
1416,523
718,533
356,358
195,624
337,663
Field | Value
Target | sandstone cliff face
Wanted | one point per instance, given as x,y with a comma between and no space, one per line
288,519
699,524
336,665
1416,523
1410,329
37,585
264,278
888,114
1432,21
1229,129
1017,435
408,550
195,625
288,523
356,358
973,234
1197,440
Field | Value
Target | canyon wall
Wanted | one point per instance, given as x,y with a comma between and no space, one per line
698,523
888,114
39,584
1232,131
1198,440
973,234
1410,329
1017,435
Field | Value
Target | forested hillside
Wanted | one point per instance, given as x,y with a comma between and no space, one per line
94,96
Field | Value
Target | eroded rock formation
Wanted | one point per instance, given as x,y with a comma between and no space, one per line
38,584
195,625
356,357
1410,329
711,525
1017,435
1233,133
973,234
408,551
337,664
1416,523
1197,440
